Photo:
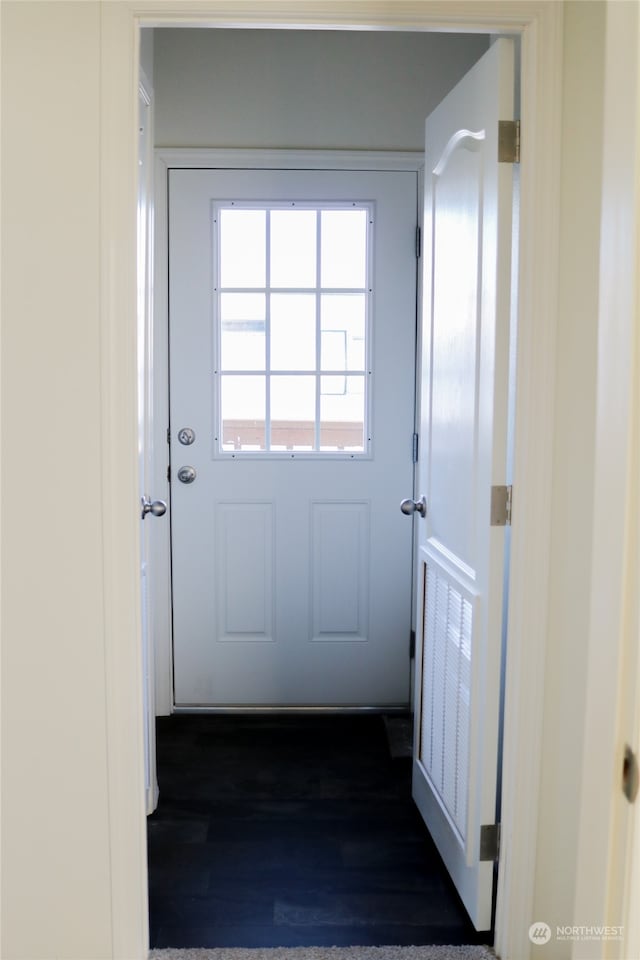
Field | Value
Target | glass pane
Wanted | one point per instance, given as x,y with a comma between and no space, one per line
242,406
243,257
293,331
343,331
344,248
242,331
293,248
293,413
342,413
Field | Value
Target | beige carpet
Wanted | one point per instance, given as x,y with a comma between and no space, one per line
331,953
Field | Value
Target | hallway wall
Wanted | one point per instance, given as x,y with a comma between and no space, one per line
314,89
55,816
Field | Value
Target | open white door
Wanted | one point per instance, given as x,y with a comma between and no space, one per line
467,248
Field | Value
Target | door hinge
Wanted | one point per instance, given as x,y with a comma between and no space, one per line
168,474
490,841
418,242
412,645
415,448
501,503
168,435
508,141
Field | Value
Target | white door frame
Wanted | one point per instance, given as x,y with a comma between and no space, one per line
540,27
205,157
152,583
323,171
608,869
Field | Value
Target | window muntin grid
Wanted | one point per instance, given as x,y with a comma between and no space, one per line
292,307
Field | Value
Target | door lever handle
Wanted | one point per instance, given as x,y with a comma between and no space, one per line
156,508
410,506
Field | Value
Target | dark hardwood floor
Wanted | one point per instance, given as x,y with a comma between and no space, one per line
292,831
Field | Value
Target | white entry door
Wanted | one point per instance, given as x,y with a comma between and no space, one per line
292,352
468,213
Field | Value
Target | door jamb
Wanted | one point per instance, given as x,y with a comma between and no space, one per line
148,443
540,25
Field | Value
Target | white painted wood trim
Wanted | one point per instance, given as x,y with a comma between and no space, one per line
464,16
163,641
416,586
608,885
119,496
157,547
540,24
541,96
186,157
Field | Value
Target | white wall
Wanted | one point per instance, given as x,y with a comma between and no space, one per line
306,89
55,817
573,472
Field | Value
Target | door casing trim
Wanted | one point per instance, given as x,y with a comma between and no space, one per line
540,26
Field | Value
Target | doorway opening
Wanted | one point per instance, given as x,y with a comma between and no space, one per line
288,723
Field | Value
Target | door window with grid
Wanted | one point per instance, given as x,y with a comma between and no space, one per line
292,305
